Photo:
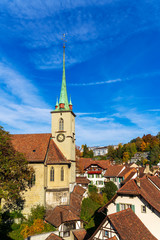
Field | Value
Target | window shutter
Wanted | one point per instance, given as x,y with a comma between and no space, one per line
117,207
133,208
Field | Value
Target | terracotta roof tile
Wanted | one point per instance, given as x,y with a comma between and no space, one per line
147,190
126,171
79,234
113,171
155,180
33,146
131,227
53,236
104,164
128,177
54,154
129,188
82,180
79,190
75,202
61,214
82,163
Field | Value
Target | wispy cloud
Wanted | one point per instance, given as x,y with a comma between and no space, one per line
112,130
95,83
40,26
22,109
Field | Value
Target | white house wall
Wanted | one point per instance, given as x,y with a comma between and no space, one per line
150,219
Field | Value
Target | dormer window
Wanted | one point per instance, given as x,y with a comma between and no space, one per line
61,124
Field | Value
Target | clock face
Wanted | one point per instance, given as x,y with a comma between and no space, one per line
60,137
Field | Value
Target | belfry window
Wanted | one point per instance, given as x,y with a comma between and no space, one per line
61,124
62,174
52,174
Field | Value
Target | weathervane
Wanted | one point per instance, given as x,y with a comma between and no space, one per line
64,39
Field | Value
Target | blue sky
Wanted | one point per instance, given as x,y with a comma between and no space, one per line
112,66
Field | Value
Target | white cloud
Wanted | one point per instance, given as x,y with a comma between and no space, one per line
92,131
96,83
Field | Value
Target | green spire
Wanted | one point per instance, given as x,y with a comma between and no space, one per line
63,95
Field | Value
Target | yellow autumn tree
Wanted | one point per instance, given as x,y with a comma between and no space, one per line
125,157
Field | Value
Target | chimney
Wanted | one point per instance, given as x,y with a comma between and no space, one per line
147,170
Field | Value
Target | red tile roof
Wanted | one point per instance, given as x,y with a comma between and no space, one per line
82,180
75,202
53,236
113,171
79,234
35,147
61,214
54,154
147,190
130,176
126,172
104,164
129,226
79,190
155,180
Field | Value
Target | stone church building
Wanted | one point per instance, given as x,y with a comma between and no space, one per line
51,155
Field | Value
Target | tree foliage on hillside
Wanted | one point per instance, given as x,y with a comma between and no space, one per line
14,172
110,189
147,143
86,152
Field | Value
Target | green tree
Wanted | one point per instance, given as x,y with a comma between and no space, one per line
109,189
86,152
14,172
155,155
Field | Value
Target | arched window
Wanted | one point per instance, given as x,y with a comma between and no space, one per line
62,174
52,174
61,124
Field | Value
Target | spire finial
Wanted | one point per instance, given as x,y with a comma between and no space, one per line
64,40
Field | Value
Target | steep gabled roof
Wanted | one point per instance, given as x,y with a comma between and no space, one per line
130,188
129,226
36,147
33,146
79,190
145,188
61,214
53,236
79,234
54,154
113,171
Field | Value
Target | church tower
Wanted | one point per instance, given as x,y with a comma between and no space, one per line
63,126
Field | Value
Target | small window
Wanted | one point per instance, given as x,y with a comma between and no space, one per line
52,174
143,209
61,124
106,233
32,181
62,174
